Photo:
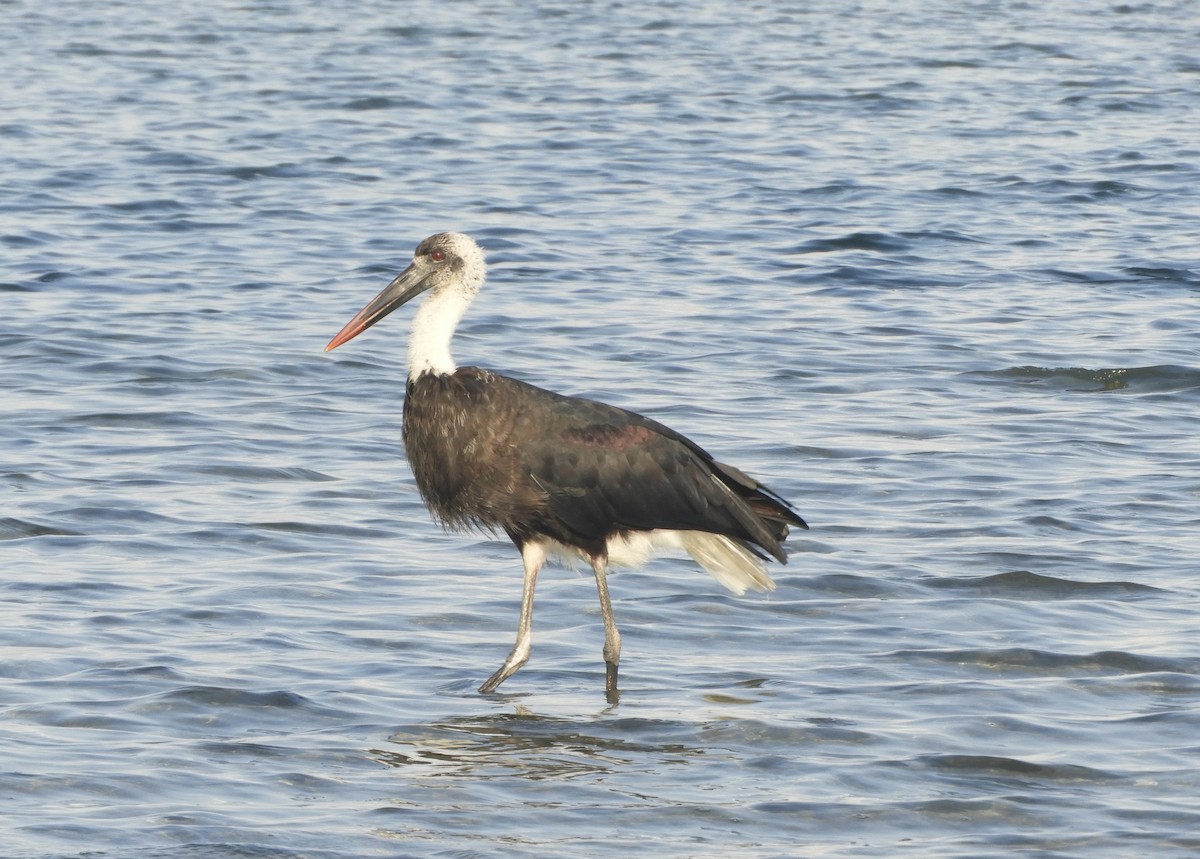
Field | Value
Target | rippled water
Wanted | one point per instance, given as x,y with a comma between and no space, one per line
930,269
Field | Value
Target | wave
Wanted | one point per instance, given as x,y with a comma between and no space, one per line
1154,379
1029,661
1022,584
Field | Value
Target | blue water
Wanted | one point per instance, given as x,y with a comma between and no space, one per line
930,270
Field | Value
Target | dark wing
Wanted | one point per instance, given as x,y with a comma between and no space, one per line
605,470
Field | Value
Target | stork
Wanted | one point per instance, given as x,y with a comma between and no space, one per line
562,476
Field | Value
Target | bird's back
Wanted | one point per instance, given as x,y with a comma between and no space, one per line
491,451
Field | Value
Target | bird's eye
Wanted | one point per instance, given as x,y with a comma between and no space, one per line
437,256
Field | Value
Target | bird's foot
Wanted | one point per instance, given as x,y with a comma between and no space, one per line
610,683
492,682
508,669
517,657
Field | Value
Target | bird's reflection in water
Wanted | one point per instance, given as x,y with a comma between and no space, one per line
540,747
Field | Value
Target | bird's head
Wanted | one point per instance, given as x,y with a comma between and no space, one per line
443,262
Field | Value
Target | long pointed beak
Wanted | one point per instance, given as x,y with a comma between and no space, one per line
408,285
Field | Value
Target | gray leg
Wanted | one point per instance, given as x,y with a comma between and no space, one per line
533,556
612,637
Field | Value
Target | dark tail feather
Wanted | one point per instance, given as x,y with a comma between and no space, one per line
764,515
766,504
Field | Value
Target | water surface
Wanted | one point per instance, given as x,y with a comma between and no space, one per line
929,270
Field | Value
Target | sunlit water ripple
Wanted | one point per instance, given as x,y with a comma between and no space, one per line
930,271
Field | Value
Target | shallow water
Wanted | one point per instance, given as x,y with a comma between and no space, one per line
929,271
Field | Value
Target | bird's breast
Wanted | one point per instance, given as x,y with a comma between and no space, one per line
459,435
